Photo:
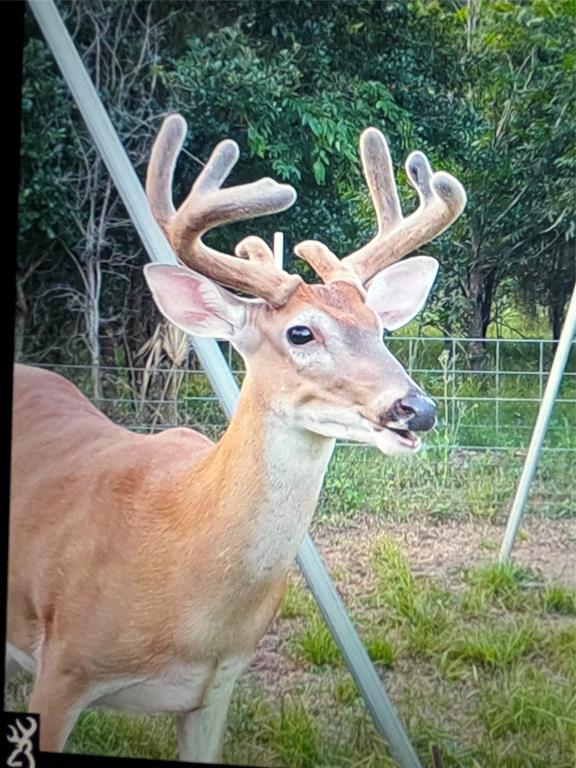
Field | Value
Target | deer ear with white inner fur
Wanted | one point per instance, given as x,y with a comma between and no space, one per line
398,293
194,303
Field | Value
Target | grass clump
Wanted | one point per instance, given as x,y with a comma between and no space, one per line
396,585
293,735
557,598
504,584
297,602
315,645
560,645
422,608
528,703
364,747
114,734
345,690
380,650
489,644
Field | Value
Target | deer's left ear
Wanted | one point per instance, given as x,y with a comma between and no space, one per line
399,292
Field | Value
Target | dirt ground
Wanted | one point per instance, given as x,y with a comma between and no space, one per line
440,550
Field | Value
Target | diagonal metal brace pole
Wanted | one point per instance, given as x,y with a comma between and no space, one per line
104,135
540,428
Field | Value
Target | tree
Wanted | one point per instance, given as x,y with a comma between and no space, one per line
483,89
73,222
517,155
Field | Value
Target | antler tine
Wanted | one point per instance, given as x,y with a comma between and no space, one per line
255,249
207,206
326,264
379,174
442,200
161,167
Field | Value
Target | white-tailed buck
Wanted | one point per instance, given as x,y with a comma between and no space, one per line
144,569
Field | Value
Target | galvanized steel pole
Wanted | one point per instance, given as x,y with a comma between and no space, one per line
548,400
213,362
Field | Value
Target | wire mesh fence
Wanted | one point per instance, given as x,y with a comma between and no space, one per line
492,408
470,462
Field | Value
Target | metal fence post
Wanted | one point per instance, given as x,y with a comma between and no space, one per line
550,392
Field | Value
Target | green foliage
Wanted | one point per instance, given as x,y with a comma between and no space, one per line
489,99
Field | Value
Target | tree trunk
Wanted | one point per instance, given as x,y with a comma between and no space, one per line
92,316
21,311
480,292
556,317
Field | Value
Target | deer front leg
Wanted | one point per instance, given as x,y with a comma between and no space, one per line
59,699
201,732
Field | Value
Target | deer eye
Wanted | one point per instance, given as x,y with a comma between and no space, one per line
299,334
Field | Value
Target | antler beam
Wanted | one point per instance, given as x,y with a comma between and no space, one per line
208,206
442,200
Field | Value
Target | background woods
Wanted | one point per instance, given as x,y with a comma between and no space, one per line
484,88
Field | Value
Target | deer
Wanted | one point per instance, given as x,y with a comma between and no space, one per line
145,568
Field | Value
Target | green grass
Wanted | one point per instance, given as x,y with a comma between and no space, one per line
559,646
507,585
458,486
294,735
314,644
297,602
489,644
345,691
535,713
418,607
380,650
559,599
114,734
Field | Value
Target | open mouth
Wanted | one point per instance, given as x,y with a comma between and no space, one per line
404,436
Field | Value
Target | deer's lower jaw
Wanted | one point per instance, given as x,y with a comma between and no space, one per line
392,439
404,437
389,439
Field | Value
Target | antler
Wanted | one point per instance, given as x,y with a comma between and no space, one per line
442,200
207,206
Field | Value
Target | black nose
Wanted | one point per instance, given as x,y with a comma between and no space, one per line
416,411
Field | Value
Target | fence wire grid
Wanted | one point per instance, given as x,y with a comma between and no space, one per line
470,461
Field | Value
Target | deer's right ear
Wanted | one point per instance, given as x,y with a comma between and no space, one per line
194,303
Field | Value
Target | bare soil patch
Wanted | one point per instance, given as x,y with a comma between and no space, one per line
441,550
